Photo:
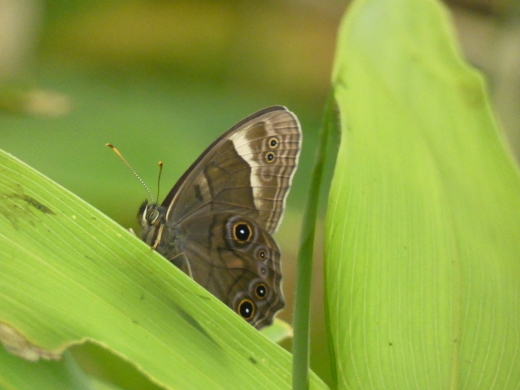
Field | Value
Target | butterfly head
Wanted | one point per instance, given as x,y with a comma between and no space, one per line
149,214
152,218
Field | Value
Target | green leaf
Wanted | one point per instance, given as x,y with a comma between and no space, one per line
69,274
278,331
16,373
423,225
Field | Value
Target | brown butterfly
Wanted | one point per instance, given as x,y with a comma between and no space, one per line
216,224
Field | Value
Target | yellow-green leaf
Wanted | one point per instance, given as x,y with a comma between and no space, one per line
423,226
70,274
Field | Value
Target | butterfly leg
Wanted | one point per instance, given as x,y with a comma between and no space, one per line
158,239
179,264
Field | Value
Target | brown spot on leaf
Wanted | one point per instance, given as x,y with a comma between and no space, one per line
18,345
33,202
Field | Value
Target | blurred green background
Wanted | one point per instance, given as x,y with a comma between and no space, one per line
162,79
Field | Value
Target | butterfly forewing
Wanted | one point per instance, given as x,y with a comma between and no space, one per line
243,171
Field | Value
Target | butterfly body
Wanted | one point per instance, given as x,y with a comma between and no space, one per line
216,224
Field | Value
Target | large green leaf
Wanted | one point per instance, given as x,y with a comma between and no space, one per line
70,274
423,226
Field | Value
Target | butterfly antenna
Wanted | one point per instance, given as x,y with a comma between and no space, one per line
159,180
133,171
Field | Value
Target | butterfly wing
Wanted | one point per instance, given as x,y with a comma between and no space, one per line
244,273
220,215
249,170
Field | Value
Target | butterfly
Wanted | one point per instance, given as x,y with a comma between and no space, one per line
216,223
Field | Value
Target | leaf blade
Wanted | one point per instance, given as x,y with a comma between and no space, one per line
422,229
75,275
